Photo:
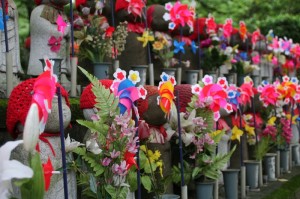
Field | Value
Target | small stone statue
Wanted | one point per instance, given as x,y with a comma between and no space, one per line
49,142
13,45
47,39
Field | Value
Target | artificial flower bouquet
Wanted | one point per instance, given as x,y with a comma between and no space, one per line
109,157
198,133
97,40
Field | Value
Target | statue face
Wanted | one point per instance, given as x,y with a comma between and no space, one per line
60,2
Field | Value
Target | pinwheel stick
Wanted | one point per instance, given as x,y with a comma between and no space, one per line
242,139
254,120
72,28
139,194
199,47
183,186
62,140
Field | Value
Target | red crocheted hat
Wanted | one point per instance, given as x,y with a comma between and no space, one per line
19,103
185,95
37,2
142,105
87,98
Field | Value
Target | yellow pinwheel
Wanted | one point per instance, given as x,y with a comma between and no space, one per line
288,116
236,133
271,121
145,38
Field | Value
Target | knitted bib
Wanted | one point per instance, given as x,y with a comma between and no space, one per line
19,103
185,95
87,98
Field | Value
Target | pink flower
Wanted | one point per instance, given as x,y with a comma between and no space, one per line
227,28
106,161
211,25
131,146
54,43
120,169
114,154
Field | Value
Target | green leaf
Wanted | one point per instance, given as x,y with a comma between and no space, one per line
146,181
34,188
111,191
132,180
93,184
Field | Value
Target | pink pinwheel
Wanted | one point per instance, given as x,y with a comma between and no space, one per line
275,46
255,37
61,24
246,92
256,59
211,25
227,28
268,94
179,14
125,89
285,45
135,7
289,64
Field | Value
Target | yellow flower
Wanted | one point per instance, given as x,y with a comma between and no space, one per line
288,116
159,164
145,38
250,129
215,133
158,45
156,155
270,57
271,121
143,148
236,133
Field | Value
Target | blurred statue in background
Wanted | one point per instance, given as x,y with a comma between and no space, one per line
11,13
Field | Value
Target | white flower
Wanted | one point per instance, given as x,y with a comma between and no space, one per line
10,169
32,128
92,146
134,76
71,144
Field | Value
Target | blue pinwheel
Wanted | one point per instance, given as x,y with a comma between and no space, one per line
233,97
1,20
244,56
179,46
194,47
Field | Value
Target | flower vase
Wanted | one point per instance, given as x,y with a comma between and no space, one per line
101,70
284,160
295,154
252,173
142,69
170,71
230,177
295,132
224,148
231,78
269,166
204,190
168,196
56,66
240,79
192,76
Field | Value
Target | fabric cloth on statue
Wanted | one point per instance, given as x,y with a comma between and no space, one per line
19,103
87,98
185,95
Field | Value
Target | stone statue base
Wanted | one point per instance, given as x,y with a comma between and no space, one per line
16,81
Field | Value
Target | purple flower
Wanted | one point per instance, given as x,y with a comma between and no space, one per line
131,146
114,154
120,169
106,161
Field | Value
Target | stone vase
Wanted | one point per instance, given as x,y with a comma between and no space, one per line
168,196
269,166
204,190
284,160
231,78
101,70
295,154
295,132
56,66
142,69
192,76
252,173
230,177
170,71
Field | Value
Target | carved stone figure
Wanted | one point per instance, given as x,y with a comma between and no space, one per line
49,141
47,39
13,45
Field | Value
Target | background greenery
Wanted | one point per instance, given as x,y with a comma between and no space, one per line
281,16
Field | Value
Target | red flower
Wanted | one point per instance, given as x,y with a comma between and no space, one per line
54,43
47,168
130,161
109,31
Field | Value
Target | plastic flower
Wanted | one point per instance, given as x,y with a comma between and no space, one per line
145,38
54,43
236,133
211,25
61,24
271,121
71,144
10,169
157,45
109,31
250,130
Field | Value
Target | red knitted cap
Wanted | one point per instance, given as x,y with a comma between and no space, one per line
87,98
19,103
142,105
199,28
185,95
37,2
150,12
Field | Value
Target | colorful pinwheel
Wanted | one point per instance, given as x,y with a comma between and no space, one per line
194,47
243,31
211,25
246,91
166,92
179,47
227,28
125,89
268,94
145,38
213,95
179,15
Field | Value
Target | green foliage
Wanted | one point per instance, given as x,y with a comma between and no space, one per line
34,187
262,148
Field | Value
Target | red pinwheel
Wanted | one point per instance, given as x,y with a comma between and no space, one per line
130,161
48,169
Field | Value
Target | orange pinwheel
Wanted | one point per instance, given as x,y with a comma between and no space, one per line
166,92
